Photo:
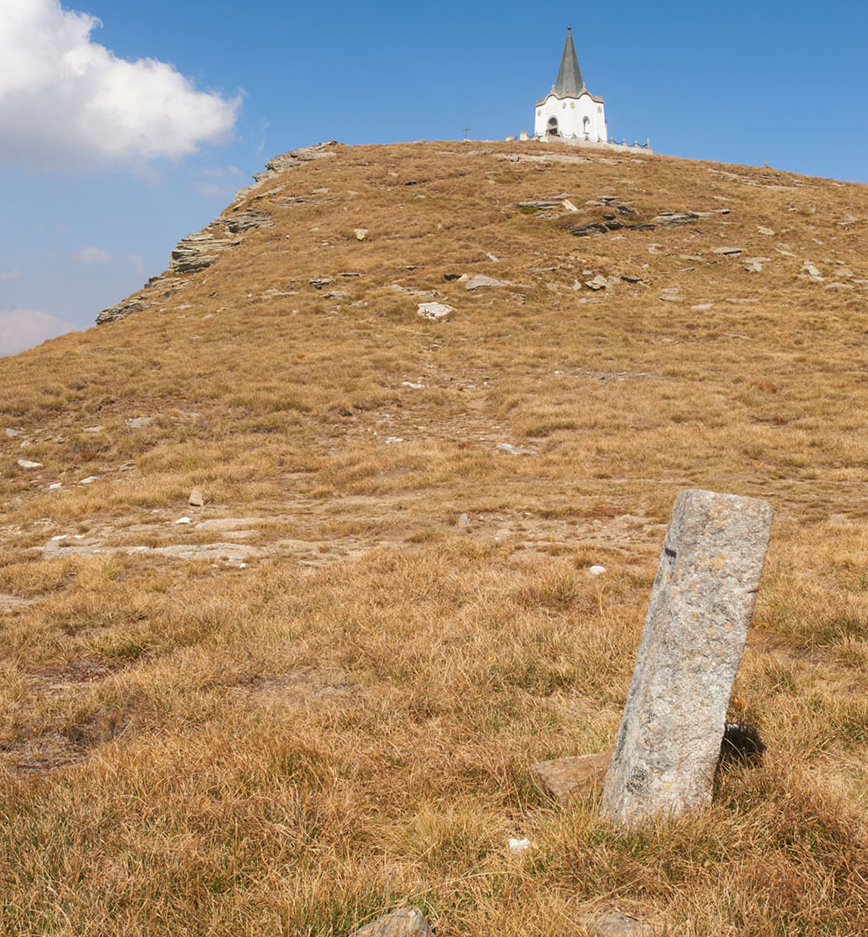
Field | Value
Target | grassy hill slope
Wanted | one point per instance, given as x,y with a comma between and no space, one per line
317,696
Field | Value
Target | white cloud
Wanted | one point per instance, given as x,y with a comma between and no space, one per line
93,255
25,328
65,99
10,275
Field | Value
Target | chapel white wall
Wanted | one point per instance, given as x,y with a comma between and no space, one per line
570,113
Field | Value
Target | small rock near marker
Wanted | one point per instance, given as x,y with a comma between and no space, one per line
26,464
360,233
405,922
196,499
565,778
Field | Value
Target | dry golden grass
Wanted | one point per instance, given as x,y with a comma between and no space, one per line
333,711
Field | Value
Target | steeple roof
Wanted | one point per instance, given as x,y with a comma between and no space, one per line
569,75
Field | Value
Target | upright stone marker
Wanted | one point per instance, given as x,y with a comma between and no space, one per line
701,604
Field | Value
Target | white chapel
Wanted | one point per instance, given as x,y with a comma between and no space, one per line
570,112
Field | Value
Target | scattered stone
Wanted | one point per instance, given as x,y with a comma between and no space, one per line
196,499
513,450
319,283
848,219
754,266
768,232
616,924
671,219
669,740
360,233
436,312
599,282
569,205
11,433
183,520
463,522
840,286
26,464
89,480
671,298
729,251
565,778
55,486
702,307
597,570
481,280
811,271
139,421
391,440
451,276
412,385
406,922
493,258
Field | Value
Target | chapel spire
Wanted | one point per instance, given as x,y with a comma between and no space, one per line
569,75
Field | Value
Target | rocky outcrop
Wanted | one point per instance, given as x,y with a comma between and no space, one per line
197,251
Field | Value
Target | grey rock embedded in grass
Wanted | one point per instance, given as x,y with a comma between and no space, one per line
669,740
463,522
481,280
196,499
616,924
405,922
599,282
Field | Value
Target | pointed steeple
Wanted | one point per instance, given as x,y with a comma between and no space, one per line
569,75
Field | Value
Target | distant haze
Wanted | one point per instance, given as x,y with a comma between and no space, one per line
25,328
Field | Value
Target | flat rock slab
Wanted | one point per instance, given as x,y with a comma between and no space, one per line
406,922
617,924
669,740
565,778
11,603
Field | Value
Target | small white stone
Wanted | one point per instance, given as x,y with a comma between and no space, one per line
183,520
89,480
411,384
26,464
392,439
61,537
518,846
55,486
437,312
597,570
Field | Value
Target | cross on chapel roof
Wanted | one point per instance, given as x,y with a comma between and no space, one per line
569,75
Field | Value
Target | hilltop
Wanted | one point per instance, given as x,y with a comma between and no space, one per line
316,696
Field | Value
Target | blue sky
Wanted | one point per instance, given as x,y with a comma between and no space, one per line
92,207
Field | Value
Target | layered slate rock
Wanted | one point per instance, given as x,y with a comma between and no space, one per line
669,740
200,250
